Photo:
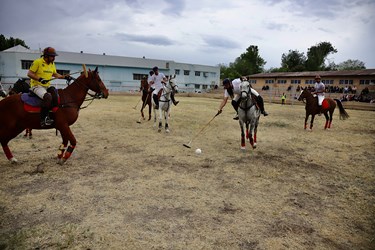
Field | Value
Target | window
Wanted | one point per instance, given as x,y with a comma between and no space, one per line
295,81
139,76
205,74
268,81
63,72
281,81
115,84
197,73
26,64
176,71
367,81
346,82
186,72
327,81
309,81
252,81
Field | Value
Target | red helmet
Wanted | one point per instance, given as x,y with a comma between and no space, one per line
49,51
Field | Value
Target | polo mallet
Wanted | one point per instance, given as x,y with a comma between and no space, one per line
200,131
137,104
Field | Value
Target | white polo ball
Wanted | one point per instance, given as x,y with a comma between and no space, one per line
198,151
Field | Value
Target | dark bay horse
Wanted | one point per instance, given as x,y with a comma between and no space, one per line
19,87
248,114
328,107
14,119
146,98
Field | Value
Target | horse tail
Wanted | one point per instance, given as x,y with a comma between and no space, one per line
343,114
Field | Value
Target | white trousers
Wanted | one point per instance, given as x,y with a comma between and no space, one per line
39,91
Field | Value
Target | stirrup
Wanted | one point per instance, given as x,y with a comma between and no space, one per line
46,122
236,117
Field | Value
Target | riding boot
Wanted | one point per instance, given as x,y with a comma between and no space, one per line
235,105
320,110
174,100
261,105
156,100
45,120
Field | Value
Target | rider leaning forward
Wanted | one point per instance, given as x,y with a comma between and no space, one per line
232,89
41,72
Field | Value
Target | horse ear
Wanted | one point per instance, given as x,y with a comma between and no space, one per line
96,69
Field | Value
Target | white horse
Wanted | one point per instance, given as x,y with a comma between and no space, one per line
165,103
248,114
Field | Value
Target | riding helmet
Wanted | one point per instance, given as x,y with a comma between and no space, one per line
155,69
226,81
49,51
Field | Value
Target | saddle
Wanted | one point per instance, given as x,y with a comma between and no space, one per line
32,103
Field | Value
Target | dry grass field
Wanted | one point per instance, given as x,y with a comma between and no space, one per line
127,186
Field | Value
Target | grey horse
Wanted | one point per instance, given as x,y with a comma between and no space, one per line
248,114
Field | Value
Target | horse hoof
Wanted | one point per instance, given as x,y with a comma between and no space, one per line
159,130
254,146
243,148
167,131
61,161
13,160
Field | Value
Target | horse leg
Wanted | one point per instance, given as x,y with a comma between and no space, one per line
166,121
327,121
149,109
312,122
30,133
8,153
243,145
64,151
330,119
160,119
255,136
251,134
306,118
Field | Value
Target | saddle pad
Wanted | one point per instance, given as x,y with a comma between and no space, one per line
325,104
32,103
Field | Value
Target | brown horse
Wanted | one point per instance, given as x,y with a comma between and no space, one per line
19,87
14,118
146,98
328,107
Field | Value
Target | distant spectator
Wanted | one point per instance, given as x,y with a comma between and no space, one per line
283,98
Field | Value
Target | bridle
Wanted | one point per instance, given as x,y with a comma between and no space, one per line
245,99
97,95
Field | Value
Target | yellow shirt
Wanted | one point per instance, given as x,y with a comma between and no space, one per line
42,70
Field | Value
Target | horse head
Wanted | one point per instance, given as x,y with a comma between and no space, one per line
21,86
94,83
245,90
304,94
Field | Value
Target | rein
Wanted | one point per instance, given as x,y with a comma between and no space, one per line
90,99
246,99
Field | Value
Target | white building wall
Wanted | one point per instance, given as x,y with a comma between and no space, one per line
115,71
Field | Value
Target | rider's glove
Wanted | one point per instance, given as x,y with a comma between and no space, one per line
43,81
68,78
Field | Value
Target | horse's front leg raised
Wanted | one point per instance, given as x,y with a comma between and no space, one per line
65,152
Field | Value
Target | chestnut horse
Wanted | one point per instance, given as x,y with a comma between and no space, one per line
14,118
19,87
328,107
146,98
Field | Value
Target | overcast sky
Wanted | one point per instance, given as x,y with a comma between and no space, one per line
208,32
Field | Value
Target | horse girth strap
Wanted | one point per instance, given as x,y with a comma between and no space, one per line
246,108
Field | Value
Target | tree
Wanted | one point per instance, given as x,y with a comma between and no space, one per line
6,43
351,65
294,61
317,54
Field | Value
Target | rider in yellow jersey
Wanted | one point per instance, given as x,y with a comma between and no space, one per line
41,72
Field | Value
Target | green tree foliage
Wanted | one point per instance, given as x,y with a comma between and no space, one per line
6,43
247,63
293,61
317,54
351,65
